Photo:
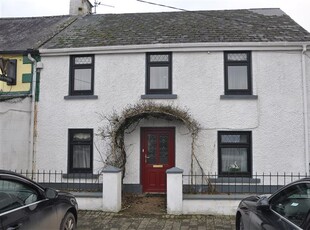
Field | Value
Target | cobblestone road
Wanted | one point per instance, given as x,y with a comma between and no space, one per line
97,220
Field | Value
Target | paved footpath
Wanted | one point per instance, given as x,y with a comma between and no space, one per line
97,220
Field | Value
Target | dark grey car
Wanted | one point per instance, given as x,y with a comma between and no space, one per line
24,204
286,209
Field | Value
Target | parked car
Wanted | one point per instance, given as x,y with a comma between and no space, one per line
25,204
287,208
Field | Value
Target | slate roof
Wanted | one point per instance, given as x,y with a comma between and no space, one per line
20,34
252,25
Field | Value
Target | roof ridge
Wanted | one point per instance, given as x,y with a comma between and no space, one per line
36,17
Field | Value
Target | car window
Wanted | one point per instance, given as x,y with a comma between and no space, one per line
293,203
14,194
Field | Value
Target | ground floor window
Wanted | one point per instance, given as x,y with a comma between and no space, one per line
80,159
235,153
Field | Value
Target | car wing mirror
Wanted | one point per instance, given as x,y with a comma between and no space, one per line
263,203
51,193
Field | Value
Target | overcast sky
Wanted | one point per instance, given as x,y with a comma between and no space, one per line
299,10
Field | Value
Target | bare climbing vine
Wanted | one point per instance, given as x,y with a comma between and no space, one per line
130,116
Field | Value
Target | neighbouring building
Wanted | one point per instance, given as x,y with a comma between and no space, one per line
20,64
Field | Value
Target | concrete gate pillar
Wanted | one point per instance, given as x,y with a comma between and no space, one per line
112,189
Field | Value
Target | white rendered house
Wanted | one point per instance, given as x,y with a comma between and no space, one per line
242,75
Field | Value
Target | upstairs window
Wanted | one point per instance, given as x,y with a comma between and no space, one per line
238,80
159,73
80,151
8,70
82,75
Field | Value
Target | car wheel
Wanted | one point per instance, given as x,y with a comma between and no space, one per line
68,222
241,225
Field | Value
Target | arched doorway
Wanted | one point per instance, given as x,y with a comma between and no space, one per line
157,142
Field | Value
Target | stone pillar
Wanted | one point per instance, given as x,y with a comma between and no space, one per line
174,191
112,189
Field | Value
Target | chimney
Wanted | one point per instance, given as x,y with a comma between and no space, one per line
80,7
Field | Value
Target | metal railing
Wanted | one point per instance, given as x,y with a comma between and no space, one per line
78,182
264,183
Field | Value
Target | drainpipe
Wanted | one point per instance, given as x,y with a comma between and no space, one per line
305,102
33,122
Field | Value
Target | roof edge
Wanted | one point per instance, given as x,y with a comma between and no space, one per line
178,47
22,52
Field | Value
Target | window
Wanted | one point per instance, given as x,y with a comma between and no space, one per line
159,73
80,151
234,150
8,69
293,203
82,75
238,79
14,194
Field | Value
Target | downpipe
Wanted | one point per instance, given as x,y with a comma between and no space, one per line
305,105
33,122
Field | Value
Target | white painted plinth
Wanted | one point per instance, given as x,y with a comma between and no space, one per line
174,191
112,189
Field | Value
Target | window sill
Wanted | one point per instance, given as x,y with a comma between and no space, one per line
239,97
236,179
159,96
80,176
81,97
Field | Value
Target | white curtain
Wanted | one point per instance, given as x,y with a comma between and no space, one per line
234,159
82,79
159,77
237,77
81,156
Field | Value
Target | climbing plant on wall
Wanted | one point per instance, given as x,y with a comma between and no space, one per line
130,116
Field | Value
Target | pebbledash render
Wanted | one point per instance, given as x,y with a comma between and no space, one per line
242,75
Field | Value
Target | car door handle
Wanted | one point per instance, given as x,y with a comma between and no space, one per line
14,227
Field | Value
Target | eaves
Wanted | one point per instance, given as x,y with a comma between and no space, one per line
179,47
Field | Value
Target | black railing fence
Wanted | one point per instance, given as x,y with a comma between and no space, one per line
79,182
264,183
211,183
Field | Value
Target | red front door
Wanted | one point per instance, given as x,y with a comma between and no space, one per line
157,155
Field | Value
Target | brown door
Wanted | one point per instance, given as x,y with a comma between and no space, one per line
157,155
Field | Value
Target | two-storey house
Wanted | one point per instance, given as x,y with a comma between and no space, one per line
206,91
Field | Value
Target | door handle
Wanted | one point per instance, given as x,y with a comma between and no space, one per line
145,157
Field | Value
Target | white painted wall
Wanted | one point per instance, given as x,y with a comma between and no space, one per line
89,203
275,118
15,134
210,207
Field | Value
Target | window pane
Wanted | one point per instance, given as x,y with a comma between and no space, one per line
159,77
81,156
235,138
163,149
14,195
82,79
159,58
237,57
151,157
293,203
81,137
237,77
83,60
234,160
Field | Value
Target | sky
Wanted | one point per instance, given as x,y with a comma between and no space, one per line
299,10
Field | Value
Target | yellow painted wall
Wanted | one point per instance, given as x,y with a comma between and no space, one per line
21,69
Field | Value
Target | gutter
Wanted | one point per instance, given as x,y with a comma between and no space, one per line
176,47
33,122
305,105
